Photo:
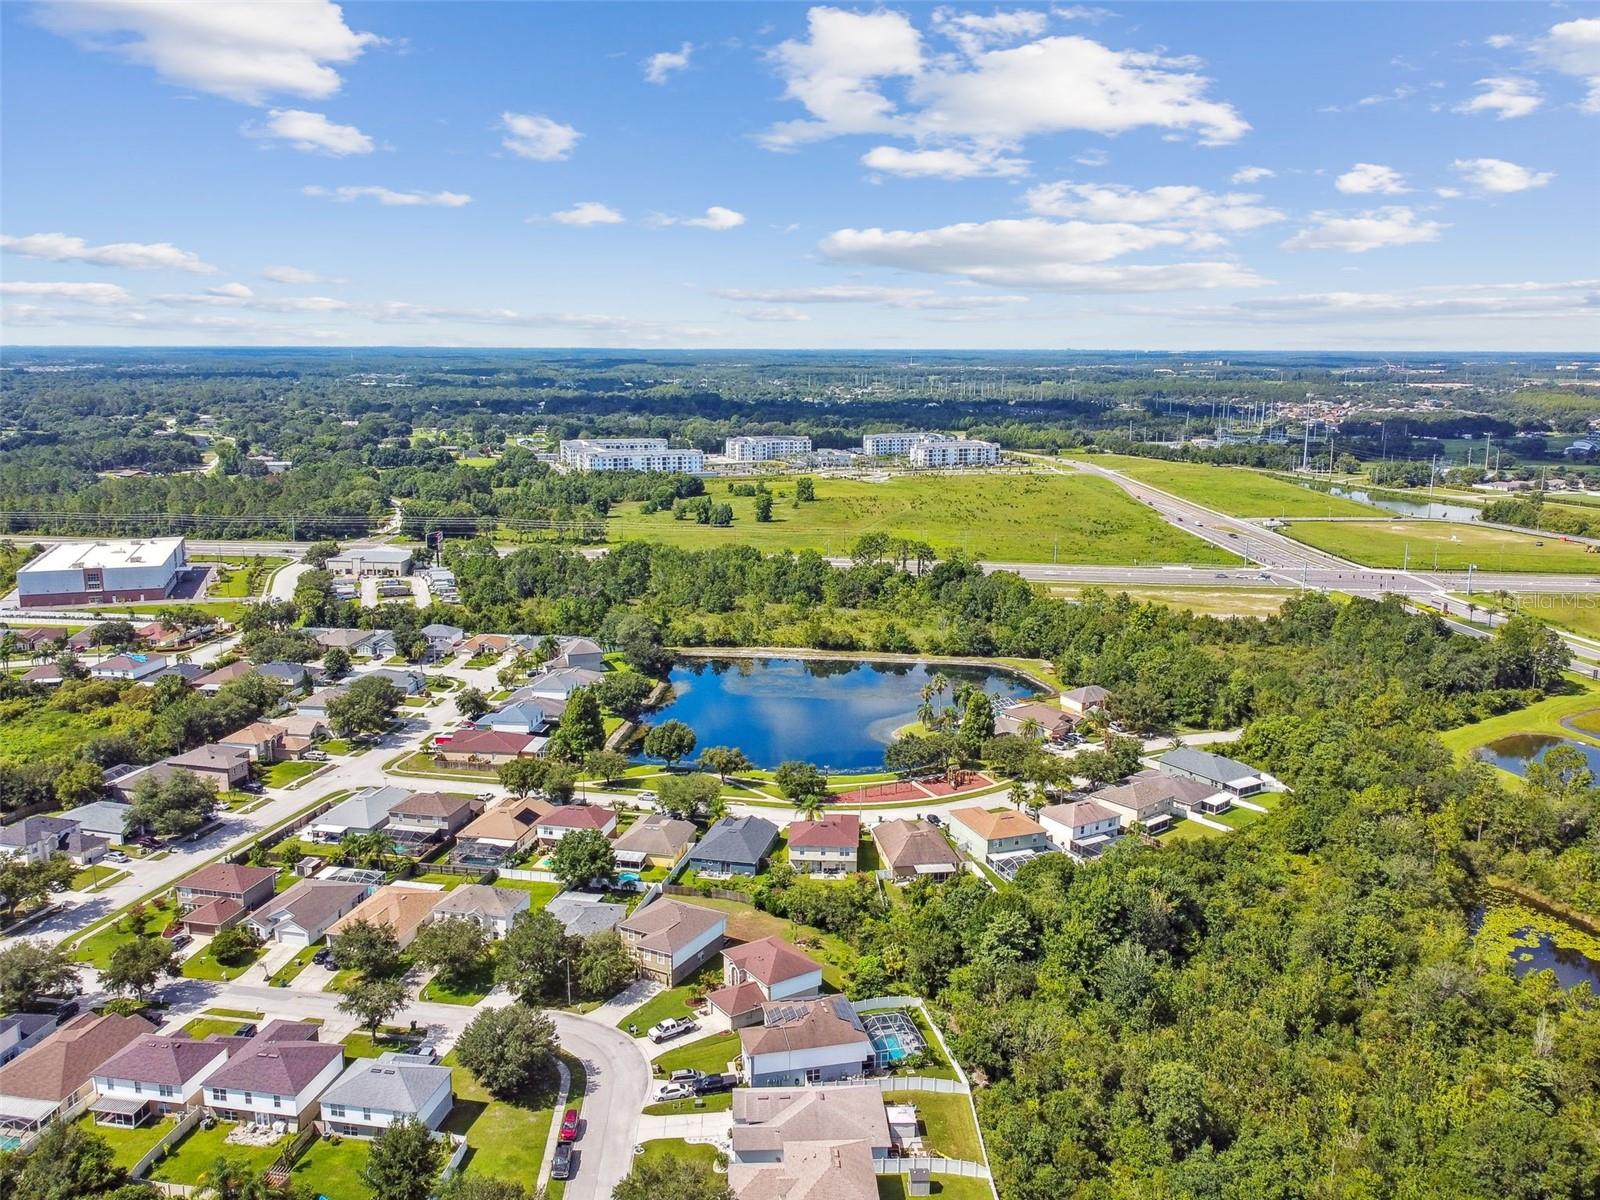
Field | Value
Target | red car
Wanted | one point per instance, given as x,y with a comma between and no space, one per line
569,1126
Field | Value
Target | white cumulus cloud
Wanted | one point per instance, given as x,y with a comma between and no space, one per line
138,256
390,197
1573,48
77,293
311,132
776,313
1372,230
946,163
1171,205
295,275
1252,174
239,49
658,68
1506,96
588,212
1366,178
1498,175
715,218
529,135
977,32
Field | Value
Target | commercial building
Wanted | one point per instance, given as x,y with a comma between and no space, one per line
372,560
954,452
99,572
765,448
629,454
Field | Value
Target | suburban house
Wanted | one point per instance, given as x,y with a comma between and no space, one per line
41,637
354,642
85,848
910,848
496,643
442,639
45,674
1224,774
1151,798
293,676
583,914
310,727
22,1031
365,812
373,1093
402,909
808,1143
408,681
756,972
35,839
245,886
190,673
263,742
1083,829
654,840
577,653
302,915
424,817
486,746
523,717
154,1076
672,940
271,1079
570,818
1041,721
213,681
500,833
987,834
734,846
562,682
223,765
799,1042
128,666
1084,700
316,704
825,846
490,907
39,1083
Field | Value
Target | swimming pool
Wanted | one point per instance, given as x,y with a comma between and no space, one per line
894,1036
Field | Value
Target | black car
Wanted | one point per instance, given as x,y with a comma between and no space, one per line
61,1010
561,1165
710,1085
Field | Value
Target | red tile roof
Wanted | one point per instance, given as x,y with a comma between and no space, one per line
833,831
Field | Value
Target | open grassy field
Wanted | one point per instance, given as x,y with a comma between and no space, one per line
331,1169
1010,517
1444,546
1237,491
1543,717
1203,601
1576,611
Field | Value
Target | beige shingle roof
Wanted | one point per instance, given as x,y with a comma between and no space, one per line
668,925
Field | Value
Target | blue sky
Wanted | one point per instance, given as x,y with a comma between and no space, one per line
1252,176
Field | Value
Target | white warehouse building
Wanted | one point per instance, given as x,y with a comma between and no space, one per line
954,452
758,448
629,454
99,572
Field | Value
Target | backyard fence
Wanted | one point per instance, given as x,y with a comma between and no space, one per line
678,889
527,875
191,1118
939,1166
284,832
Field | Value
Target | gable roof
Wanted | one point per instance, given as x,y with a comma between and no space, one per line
391,1082
582,914
1091,693
527,714
214,911
770,960
227,674
789,1025
737,839
227,877
669,925
906,845
479,899
1152,789
278,1068
430,804
209,757
831,831
57,1066
367,809
1208,765
402,909
656,833
33,829
156,1059
1002,823
1077,813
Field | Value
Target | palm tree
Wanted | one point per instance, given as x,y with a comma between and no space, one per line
1031,729
231,1180
366,849
9,645
1018,794
809,805
716,809
926,713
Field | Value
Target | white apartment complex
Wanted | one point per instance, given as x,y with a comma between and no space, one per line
761,448
954,452
896,445
629,454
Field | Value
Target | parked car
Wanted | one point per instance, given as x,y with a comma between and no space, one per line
647,794
61,1010
316,756
683,1075
486,797
671,1028
179,940
675,1091
933,819
709,1085
561,1165
323,957
569,1125
116,856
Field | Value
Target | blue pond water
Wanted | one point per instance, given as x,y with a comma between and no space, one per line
1568,966
838,714
1514,753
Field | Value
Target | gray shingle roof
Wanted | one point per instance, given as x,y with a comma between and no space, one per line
1207,765
736,840
583,915
391,1082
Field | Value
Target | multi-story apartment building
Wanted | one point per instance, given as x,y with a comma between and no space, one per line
763,448
954,452
629,454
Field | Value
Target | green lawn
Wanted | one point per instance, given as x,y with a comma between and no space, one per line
471,990
948,1129
96,878
1236,818
1261,601
709,1055
507,1138
128,1146
334,746
244,1014
334,1170
672,1002
1544,717
1576,611
361,1045
747,924
302,958
539,894
204,966
716,1102
1009,516
203,1027
284,773
96,949
1237,491
1453,547
227,610
199,1151
678,1150
946,1187
1186,831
